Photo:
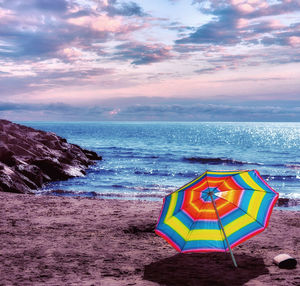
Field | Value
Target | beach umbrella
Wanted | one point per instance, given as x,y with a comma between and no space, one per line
216,211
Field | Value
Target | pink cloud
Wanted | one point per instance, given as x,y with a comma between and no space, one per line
242,23
294,41
72,53
245,8
99,23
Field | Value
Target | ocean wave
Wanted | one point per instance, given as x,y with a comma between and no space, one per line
118,186
145,156
282,202
107,171
153,173
67,193
132,155
289,178
161,173
188,174
119,148
99,195
295,166
289,165
218,161
99,171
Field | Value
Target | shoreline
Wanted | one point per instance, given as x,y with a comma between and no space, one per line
283,203
51,240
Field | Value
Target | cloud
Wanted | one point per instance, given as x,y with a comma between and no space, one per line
58,6
248,8
209,70
114,8
109,47
283,7
239,22
179,27
32,38
221,32
285,37
240,25
11,85
223,62
41,29
143,54
51,111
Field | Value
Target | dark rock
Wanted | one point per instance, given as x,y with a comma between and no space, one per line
283,202
29,158
11,181
287,202
33,173
52,167
6,156
92,155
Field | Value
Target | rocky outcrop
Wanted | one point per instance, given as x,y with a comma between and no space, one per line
29,158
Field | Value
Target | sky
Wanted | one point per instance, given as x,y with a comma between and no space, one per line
169,60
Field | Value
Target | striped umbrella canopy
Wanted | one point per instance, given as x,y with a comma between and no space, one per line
216,211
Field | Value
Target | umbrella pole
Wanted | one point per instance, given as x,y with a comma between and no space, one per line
231,253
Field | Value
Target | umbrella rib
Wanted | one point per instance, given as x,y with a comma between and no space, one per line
223,230
243,188
255,190
259,191
242,210
234,190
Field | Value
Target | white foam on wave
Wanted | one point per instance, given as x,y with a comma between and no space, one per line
74,171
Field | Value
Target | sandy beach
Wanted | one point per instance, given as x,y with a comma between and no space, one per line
47,240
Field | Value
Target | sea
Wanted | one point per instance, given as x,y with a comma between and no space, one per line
148,160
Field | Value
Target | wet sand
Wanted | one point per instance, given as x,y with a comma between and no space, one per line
46,240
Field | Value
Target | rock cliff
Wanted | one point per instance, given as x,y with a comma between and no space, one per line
29,158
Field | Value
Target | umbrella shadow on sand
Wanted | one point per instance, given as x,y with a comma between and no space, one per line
205,269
